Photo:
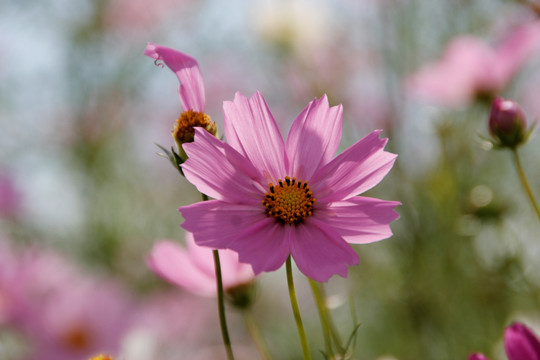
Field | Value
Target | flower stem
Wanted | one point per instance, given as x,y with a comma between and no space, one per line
525,182
323,315
332,326
221,303
296,311
255,333
221,308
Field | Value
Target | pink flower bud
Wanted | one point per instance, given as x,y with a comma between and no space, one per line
478,356
520,343
507,123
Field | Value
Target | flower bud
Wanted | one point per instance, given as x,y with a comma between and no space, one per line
507,123
241,296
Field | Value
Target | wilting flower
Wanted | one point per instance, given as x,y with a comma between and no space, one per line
274,198
191,92
519,342
507,123
193,268
471,68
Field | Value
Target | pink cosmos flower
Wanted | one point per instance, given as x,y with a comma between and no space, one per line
193,268
274,198
469,67
519,342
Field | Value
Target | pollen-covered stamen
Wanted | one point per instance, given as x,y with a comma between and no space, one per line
183,131
290,202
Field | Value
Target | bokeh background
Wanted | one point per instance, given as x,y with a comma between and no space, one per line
84,195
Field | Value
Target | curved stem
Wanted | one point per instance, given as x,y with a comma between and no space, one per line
256,335
296,311
221,308
525,182
323,315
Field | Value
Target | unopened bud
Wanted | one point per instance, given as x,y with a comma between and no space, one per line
507,123
241,296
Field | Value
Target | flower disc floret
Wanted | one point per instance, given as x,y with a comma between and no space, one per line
183,131
291,202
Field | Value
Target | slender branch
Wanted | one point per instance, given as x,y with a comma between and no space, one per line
256,335
296,311
525,182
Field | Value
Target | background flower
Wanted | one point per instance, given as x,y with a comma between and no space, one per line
192,268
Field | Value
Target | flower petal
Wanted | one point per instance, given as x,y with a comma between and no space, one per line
360,220
233,272
354,171
170,261
187,70
253,132
314,138
319,251
265,246
246,229
219,171
520,343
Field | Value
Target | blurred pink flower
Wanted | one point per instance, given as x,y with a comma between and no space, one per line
64,313
141,14
10,197
8,271
193,268
519,342
469,67
265,209
154,336
477,356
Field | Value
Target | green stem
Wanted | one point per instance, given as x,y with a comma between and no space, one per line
221,308
256,335
221,303
354,317
333,330
323,315
525,182
296,311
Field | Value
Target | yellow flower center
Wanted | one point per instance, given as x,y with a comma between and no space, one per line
183,131
291,202
101,357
